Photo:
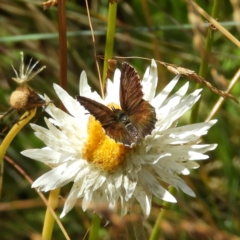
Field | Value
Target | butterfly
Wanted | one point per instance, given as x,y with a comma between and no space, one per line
136,118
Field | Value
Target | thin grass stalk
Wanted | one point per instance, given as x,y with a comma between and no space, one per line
156,229
108,55
219,103
26,117
53,196
139,231
202,72
204,63
154,41
49,219
112,14
62,30
216,24
94,231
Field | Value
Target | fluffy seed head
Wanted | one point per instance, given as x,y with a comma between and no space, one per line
19,98
24,98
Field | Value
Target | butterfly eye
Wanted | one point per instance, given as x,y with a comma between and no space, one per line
123,117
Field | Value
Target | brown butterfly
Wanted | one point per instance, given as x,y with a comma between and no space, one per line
134,120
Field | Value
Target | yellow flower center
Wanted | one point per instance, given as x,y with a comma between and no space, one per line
101,150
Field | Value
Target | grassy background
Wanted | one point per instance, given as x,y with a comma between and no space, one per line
165,30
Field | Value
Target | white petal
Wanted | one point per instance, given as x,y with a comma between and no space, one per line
167,118
149,82
191,165
130,182
173,180
188,133
46,155
71,200
99,181
125,205
61,145
116,80
181,153
154,187
144,198
40,129
92,178
75,129
87,199
84,88
109,91
112,195
73,106
57,177
112,93
176,98
160,98
170,164
117,178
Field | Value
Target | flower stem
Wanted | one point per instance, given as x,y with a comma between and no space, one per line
139,230
62,45
204,64
49,219
112,13
26,117
220,28
156,229
219,103
53,196
94,230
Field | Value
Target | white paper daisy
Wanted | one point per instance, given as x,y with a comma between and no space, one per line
108,172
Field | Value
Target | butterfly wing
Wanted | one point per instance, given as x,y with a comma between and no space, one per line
34,100
119,133
141,114
102,113
113,128
143,118
130,88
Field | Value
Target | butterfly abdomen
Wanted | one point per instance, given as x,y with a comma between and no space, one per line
133,133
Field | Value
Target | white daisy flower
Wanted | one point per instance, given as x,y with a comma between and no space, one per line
105,171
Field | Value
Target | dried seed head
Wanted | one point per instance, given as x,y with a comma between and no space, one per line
24,98
25,76
112,65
